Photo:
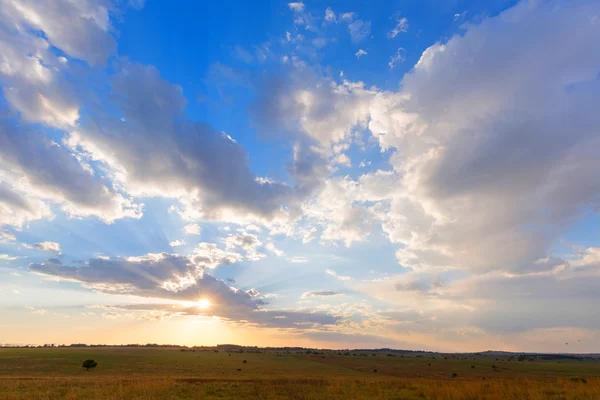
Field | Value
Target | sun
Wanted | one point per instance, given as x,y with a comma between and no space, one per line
203,304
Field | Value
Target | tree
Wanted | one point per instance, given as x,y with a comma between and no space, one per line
87,364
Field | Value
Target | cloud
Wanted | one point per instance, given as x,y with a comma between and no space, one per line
47,246
34,310
396,58
176,243
32,74
7,257
401,26
270,246
192,229
348,16
206,170
78,28
43,169
330,15
320,294
471,196
464,191
360,53
249,242
340,277
6,235
359,30
208,255
297,6
183,279
296,320
298,260
162,275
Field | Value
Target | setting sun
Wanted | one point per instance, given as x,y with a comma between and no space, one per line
203,304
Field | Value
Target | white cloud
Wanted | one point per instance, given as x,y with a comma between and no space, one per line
348,16
7,257
298,260
47,246
270,246
396,58
359,30
340,277
214,182
34,310
192,229
360,53
6,235
208,255
53,174
176,243
401,26
296,6
330,15
465,191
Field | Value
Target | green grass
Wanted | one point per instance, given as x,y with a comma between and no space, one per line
157,373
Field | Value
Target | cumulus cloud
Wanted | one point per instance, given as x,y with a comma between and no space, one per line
330,15
192,229
360,53
209,255
205,169
35,169
31,73
465,134
296,6
6,235
78,28
17,208
176,243
43,169
47,246
492,155
248,242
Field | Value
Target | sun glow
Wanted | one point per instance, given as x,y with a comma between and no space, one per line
203,304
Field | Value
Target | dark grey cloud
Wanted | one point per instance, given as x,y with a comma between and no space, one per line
288,319
172,277
323,293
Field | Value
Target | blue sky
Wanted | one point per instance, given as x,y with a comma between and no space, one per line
411,174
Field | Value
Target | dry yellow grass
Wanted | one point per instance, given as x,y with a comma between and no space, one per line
147,373
398,388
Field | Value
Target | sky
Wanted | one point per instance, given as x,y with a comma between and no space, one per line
335,174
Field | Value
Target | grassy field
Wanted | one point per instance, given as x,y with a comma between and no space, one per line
166,373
